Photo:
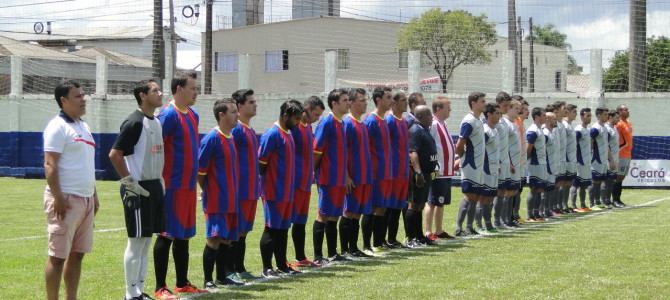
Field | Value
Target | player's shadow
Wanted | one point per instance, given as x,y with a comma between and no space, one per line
227,294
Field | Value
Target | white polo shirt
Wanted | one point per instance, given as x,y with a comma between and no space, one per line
75,143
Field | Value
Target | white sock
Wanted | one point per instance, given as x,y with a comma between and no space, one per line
132,260
142,275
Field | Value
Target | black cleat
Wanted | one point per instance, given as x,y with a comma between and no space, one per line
270,274
338,257
460,233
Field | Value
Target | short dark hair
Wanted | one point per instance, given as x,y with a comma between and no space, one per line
397,96
550,108
378,92
143,88
613,113
559,103
520,99
584,111
290,108
334,96
63,89
490,108
601,110
413,99
221,106
536,112
182,80
503,97
437,104
474,96
240,96
571,107
356,91
313,102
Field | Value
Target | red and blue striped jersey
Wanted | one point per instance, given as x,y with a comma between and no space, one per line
180,140
217,161
399,132
304,157
330,142
277,153
380,147
246,143
358,151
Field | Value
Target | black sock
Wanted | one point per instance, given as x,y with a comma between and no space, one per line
224,262
266,248
318,231
180,256
208,260
345,233
367,224
280,244
239,251
616,191
418,223
530,202
379,231
353,241
393,222
331,237
161,259
298,236
410,224
462,212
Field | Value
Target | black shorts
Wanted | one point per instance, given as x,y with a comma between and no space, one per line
440,192
149,217
419,195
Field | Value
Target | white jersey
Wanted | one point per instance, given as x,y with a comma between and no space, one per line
553,150
514,142
503,141
613,142
570,143
562,138
492,148
472,129
600,146
583,152
535,136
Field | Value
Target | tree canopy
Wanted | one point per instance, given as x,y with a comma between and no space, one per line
615,78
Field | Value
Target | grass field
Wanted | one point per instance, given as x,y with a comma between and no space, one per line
618,254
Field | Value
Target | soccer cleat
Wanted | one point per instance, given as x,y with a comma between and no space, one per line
390,245
617,204
359,254
164,294
397,244
445,236
145,296
305,263
246,276
210,285
596,208
338,258
460,233
288,270
231,279
189,289
472,231
269,273
621,203
321,261
432,237
492,230
380,249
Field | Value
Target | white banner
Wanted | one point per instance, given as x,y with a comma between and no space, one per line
431,84
648,173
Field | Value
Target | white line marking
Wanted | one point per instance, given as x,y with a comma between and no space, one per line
35,237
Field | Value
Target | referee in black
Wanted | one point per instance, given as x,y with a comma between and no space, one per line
423,160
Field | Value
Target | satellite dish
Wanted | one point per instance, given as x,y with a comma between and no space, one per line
38,27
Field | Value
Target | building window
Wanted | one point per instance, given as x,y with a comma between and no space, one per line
524,76
276,60
557,81
342,58
226,62
403,59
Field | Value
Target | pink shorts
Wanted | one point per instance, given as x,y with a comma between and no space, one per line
75,232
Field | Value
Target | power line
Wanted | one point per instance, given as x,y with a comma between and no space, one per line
37,3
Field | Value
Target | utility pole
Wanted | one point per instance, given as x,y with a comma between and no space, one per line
173,41
637,53
208,47
520,29
531,66
512,39
158,45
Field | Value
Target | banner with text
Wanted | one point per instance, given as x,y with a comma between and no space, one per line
648,173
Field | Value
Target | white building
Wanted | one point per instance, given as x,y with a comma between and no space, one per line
289,57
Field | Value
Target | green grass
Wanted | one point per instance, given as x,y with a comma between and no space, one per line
620,254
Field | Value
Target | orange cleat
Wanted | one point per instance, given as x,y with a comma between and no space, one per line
164,294
190,289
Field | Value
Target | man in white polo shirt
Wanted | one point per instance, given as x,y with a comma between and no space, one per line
70,200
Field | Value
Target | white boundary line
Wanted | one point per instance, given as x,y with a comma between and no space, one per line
36,237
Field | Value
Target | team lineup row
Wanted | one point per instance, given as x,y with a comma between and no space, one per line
368,168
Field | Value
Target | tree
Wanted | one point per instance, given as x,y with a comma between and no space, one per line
550,36
615,78
448,40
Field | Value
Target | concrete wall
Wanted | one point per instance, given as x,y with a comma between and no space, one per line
373,56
